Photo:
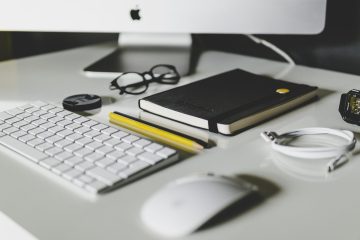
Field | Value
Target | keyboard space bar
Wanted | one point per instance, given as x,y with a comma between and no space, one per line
23,149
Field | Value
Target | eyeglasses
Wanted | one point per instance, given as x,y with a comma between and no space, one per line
137,83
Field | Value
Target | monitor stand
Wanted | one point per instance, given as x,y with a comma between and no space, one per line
138,52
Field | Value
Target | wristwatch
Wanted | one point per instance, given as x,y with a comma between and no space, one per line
349,107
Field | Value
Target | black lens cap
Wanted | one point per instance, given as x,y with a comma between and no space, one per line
82,102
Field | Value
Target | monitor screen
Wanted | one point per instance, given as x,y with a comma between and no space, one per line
165,16
149,23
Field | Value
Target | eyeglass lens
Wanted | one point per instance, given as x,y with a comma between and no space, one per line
133,83
165,73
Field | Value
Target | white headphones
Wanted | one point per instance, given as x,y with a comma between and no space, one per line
338,152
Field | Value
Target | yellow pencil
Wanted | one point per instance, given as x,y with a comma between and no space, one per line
155,133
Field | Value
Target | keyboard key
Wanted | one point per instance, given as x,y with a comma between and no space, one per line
56,110
73,147
10,130
23,115
47,125
26,128
85,165
127,160
39,113
115,155
81,120
74,137
82,180
153,147
90,123
53,151
26,138
31,119
72,116
20,124
64,123
26,106
99,127
93,157
31,110
104,162
101,138
103,175
22,148
49,163
61,168
44,146
36,131
63,113
56,119
73,126
71,174
47,107
112,142
65,133
4,116
63,143
56,129
119,134
134,151
116,167
83,141
45,135
38,104
38,122
18,134
142,143
130,139
166,152
12,120
94,145
92,134
109,131
15,111
4,126
53,139
47,116
95,186
63,156
82,152
134,168
150,158
35,142
82,130
104,150
123,147
73,161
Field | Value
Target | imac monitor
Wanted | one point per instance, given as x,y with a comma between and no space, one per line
162,27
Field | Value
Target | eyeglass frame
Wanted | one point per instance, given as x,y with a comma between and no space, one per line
145,82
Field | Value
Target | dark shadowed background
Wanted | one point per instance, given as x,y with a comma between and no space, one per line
337,48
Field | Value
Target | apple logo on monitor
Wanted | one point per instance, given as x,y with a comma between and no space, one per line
135,13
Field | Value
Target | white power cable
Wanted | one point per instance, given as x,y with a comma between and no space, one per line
338,153
277,50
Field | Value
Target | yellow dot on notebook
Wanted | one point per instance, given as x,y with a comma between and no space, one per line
282,90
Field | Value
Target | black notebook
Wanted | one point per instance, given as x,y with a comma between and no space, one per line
228,102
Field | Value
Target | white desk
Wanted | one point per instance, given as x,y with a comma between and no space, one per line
300,208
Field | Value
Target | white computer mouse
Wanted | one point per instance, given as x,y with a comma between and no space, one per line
186,204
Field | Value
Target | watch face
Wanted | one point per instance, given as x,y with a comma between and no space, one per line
350,107
354,104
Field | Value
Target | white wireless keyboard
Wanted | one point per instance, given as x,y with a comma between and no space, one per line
93,156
